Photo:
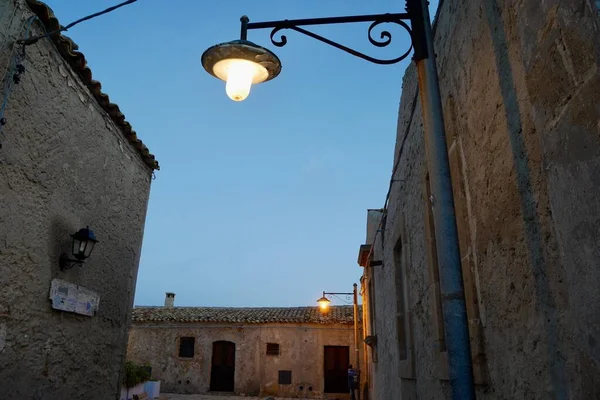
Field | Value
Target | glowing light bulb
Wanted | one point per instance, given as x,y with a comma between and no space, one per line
240,75
324,304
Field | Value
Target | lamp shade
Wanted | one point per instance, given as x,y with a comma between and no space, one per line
240,63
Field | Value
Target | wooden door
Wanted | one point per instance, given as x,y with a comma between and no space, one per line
223,367
336,361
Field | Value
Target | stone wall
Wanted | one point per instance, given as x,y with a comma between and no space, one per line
63,165
301,351
521,95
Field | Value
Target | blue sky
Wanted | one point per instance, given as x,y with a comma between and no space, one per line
262,202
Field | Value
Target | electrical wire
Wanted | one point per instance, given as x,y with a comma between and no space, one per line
397,164
9,25
29,22
15,67
382,222
14,70
34,39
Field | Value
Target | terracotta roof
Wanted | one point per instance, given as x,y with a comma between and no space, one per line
68,50
263,315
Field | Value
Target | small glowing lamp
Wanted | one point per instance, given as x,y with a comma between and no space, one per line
240,64
324,303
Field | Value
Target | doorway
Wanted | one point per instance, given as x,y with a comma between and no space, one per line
222,371
337,359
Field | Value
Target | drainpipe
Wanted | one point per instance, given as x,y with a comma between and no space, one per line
460,367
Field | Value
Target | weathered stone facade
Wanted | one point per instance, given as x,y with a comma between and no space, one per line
265,341
65,163
521,93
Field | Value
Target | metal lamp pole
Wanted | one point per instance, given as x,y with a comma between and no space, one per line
446,234
356,336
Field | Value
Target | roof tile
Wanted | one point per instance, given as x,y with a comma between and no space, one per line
260,315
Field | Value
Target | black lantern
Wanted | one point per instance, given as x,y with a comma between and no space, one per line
84,241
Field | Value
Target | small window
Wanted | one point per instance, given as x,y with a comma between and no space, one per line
186,347
400,304
434,270
272,349
285,377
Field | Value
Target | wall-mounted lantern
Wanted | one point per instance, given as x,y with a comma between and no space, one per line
84,241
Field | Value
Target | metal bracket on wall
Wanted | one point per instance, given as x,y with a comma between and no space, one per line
371,341
385,37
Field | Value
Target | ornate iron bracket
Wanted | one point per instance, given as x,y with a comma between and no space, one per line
336,294
376,20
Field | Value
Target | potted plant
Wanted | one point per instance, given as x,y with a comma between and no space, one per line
133,379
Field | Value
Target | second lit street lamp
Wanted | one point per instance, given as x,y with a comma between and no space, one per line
241,63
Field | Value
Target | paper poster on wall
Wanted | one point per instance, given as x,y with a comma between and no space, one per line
66,296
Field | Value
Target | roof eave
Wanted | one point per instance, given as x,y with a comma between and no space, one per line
76,60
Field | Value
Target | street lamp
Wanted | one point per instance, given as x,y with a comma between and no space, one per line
83,242
241,63
324,303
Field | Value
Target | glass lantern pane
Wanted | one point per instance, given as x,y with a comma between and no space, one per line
88,249
77,251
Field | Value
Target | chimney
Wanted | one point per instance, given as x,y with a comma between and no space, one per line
170,299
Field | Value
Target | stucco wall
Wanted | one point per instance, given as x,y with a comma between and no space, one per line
301,351
521,96
63,165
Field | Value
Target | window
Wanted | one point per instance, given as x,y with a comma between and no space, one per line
401,257
285,377
272,349
186,347
400,303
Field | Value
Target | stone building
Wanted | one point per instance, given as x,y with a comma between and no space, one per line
288,352
520,85
68,160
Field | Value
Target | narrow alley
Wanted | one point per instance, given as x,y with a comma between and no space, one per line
335,219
